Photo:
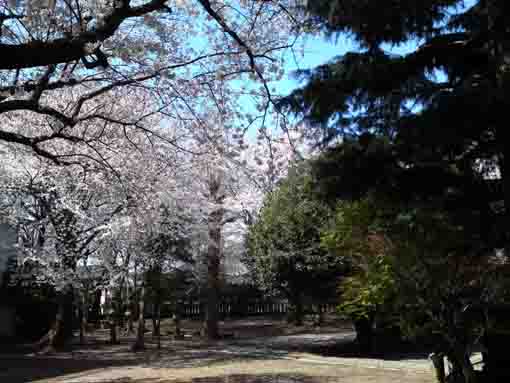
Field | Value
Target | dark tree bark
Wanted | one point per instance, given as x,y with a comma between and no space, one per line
140,331
177,319
213,266
298,310
55,337
437,360
364,328
68,317
113,330
156,319
95,311
67,49
213,258
61,329
462,357
157,324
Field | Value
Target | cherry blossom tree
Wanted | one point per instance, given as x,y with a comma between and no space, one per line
184,54
75,216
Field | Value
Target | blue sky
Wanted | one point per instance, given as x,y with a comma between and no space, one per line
319,51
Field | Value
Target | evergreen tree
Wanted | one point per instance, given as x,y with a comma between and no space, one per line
423,128
439,106
284,251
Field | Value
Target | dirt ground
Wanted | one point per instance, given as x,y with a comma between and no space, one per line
195,360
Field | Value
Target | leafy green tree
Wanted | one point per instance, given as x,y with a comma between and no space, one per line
420,265
445,285
431,115
357,235
284,245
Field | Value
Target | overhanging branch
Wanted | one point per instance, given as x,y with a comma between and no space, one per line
38,53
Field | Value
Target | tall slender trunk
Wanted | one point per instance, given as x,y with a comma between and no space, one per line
177,319
465,364
213,274
113,330
68,315
437,360
135,292
298,310
54,335
95,312
157,324
506,192
140,331
364,328
82,330
156,320
83,310
320,314
62,328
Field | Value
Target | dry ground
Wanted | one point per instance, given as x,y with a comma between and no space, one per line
197,361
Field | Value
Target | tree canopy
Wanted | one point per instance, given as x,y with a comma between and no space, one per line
435,107
413,118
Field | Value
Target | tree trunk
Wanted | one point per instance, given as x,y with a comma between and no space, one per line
136,295
506,186
83,317
156,320
364,333
468,370
82,325
177,320
437,360
113,330
128,312
157,328
55,338
68,315
298,319
130,329
320,315
140,331
213,270
62,328
95,312
462,364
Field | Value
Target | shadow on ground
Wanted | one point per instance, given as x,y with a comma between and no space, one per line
83,360
268,378
238,378
386,347
28,369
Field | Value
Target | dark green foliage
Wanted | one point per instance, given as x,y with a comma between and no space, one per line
423,131
373,22
285,254
357,233
426,127
35,305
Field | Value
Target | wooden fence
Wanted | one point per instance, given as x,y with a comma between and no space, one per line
228,309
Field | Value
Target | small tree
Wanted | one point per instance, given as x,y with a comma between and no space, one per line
356,234
284,250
